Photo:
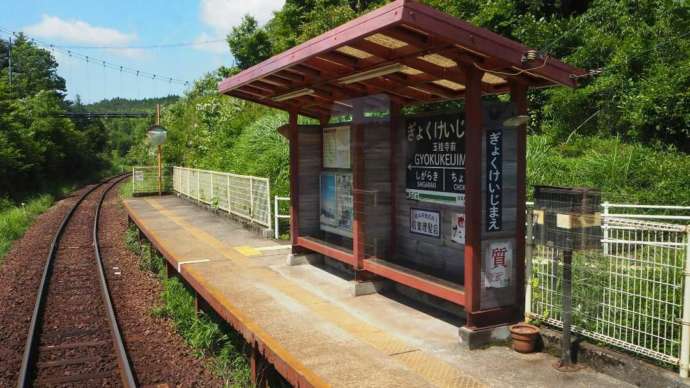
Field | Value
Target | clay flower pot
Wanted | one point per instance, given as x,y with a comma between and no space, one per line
524,337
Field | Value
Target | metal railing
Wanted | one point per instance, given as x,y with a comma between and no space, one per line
145,180
245,196
278,216
632,292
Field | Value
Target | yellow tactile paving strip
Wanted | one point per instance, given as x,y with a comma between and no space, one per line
431,368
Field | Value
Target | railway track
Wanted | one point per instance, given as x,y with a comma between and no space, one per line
73,337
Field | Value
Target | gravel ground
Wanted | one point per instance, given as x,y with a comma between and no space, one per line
158,354
20,276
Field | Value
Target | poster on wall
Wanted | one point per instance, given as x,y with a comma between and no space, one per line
425,222
336,203
436,159
498,264
458,228
494,180
336,147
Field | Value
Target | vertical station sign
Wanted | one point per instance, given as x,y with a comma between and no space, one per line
494,180
436,159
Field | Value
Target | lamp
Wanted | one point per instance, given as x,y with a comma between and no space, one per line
373,73
515,121
295,94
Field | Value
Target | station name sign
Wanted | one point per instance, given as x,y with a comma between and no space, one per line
436,159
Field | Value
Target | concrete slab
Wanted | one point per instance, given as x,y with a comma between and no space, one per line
307,322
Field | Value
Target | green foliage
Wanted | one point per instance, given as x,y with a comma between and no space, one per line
249,44
38,149
14,220
625,172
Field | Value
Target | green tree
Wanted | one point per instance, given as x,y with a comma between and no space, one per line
249,43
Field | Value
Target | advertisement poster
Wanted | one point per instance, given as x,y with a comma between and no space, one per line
498,264
336,203
436,159
425,222
336,147
458,228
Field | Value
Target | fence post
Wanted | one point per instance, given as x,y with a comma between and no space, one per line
227,192
566,358
685,323
268,202
528,263
251,198
213,193
606,228
275,214
198,187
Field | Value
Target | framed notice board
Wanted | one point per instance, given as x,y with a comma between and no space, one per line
336,147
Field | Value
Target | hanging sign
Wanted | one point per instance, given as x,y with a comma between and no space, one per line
436,159
458,228
336,147
425,222
498,264
336,203
494,180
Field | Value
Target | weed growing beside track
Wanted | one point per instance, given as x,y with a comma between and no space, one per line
206,334
14,220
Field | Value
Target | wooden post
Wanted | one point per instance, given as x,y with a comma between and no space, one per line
395,121
358,184
518,94
473,191
294,180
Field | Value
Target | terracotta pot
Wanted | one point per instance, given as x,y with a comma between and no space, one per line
524,337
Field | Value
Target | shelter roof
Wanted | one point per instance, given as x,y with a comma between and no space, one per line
406,50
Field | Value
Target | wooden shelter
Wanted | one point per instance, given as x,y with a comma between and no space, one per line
437,201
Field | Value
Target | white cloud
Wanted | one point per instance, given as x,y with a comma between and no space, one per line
221,15
78,32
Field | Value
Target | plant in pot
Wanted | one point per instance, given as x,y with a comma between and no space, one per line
524,337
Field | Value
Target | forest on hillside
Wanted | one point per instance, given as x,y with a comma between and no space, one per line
625,130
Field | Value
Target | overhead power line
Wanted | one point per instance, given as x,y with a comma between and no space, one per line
144,47
103,63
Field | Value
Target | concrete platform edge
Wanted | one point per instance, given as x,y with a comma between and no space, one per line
297,375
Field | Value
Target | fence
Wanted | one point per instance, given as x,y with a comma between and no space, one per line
278,216
245,196
632,292
145,180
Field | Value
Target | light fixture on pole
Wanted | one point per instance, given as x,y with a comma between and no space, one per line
515,121
157,136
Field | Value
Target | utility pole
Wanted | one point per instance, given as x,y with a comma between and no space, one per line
160,146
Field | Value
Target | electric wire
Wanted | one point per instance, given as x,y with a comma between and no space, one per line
98,61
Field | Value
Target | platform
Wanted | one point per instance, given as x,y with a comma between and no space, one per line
306,322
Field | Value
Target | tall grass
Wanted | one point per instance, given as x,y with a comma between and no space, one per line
625,172
14,220
206,334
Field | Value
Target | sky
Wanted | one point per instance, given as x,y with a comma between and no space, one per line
124,26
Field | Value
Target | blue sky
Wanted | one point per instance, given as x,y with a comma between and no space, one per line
133,23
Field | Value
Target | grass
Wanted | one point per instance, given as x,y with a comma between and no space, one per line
125,189
15,220
205,333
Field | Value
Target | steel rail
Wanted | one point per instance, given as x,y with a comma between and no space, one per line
24,380
123,360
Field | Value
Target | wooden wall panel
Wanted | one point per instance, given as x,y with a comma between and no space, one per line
309,171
